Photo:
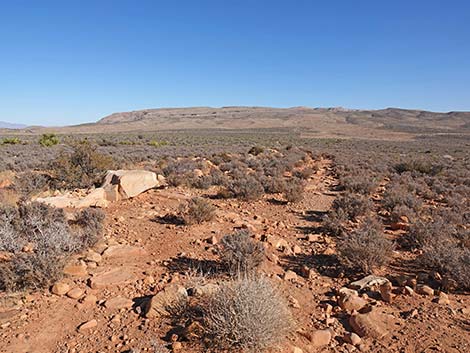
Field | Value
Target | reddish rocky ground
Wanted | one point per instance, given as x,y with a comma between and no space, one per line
141,254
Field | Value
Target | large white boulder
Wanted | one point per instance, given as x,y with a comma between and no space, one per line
130,183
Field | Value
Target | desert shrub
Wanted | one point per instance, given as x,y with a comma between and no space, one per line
418,166
88,225
423,233
155,143
366,248
82,168
334,221
30,183
304,173
246,188
397,195
357,181
353,205
240,254
48,140
273,185
294,190
246,315
256,150
50,240
10,141
447,257
198,210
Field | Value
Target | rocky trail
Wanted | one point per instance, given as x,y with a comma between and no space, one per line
99,305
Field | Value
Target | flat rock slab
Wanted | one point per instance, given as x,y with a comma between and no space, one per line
372,324
118,303
116,276
123,251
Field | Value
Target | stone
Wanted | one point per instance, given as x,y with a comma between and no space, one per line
75,293
352,338
350,301
88,325
408,290
96,198
123,251
425,290
320,338
118,303
60,288
314,238
93,256
368,282
290,275
89,299
296,250
115,276
75,270
131,182
443,299
297,350
386,291
176,346
370,324
158,304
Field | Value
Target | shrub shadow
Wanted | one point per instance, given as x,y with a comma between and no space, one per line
186,264
326,265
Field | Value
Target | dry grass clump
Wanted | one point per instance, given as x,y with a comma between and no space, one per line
39,239
366,248
82,168
246,315
240,253
197,211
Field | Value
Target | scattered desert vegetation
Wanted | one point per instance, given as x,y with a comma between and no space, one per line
259,236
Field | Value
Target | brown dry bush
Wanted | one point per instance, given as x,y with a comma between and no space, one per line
294,190
197,211
366,248
353,205
240,254
82,168
246,188
334,222
246,315
51,240
449,258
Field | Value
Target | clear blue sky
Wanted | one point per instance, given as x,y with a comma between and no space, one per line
65,62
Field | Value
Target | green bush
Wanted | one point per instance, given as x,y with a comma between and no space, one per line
10,141
48,140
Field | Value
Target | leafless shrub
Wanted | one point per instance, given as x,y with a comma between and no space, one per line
447,257
30,183
419,166
240,253
294,190
50,240
246,315
246,188
334,222
424,233
273,185
198,210
366,248
82,168
353,205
